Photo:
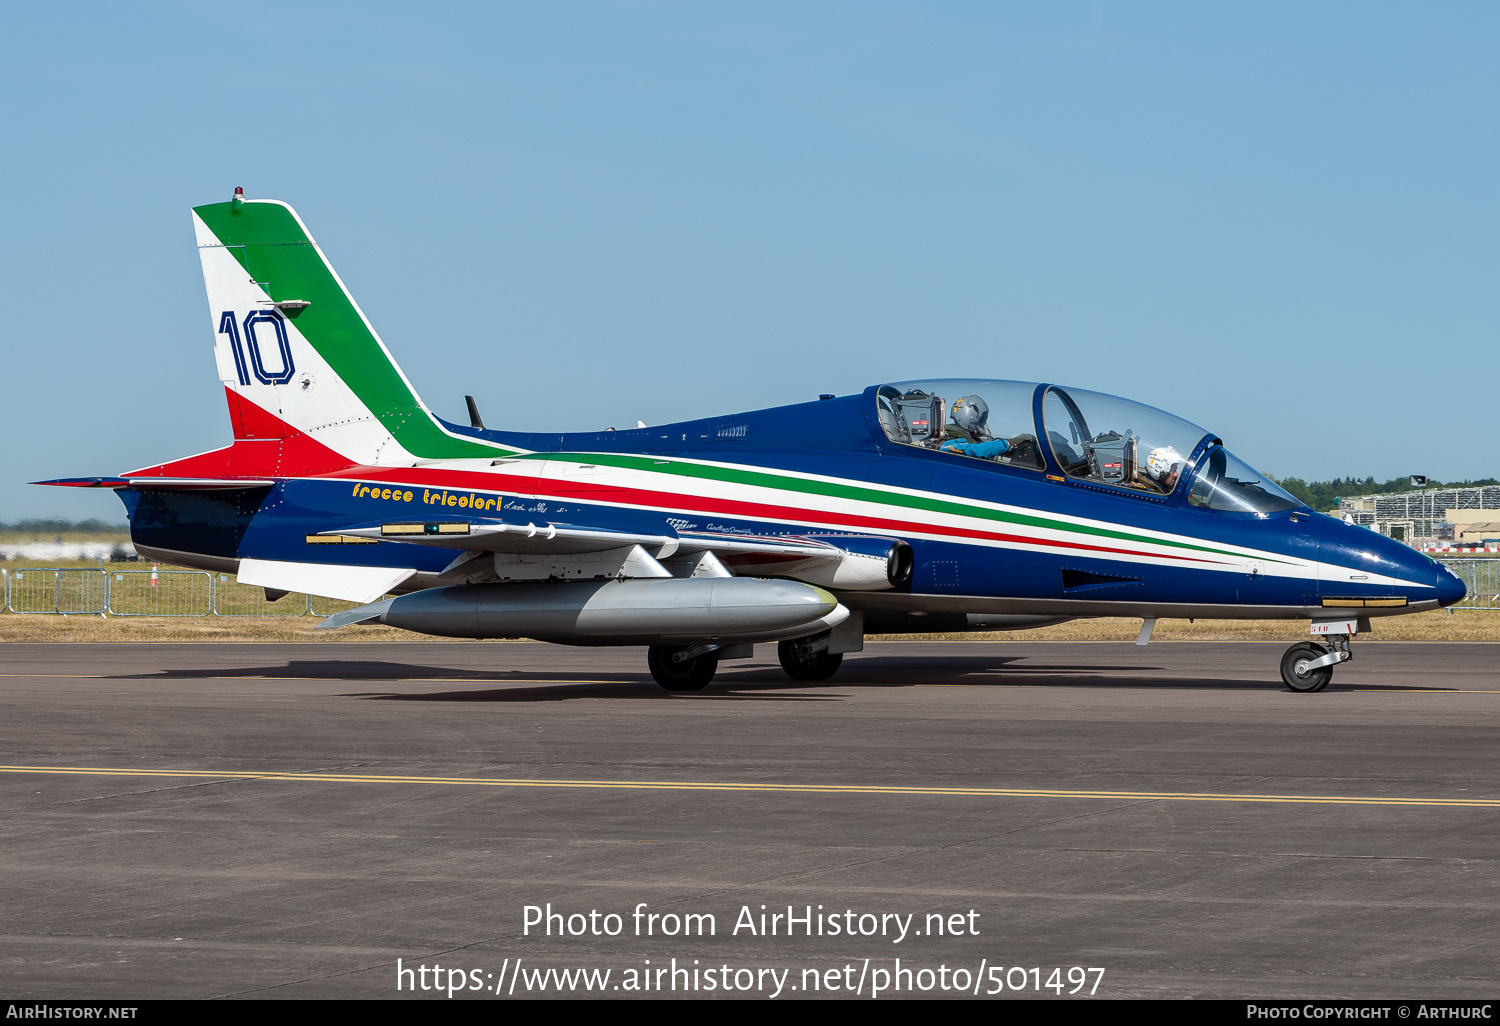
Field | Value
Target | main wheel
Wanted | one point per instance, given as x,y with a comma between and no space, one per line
1307,680
821,666
688,675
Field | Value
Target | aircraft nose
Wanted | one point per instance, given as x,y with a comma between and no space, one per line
1450,587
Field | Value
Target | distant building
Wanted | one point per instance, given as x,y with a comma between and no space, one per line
1459,516
1478,534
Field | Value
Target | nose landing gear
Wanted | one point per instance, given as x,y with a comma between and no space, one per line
1307,666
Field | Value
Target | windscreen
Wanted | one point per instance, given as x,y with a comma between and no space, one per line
1230,485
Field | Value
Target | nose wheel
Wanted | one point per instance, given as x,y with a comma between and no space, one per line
1296,670
1307,666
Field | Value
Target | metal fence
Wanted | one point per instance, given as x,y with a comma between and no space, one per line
231,598
161,593
69,592
1482,577
317,605
154,592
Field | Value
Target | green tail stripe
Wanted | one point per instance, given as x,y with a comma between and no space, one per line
274,250
761,479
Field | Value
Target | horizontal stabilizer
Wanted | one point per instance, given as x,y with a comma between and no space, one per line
359,614
168,484
84,482
197,484
351,583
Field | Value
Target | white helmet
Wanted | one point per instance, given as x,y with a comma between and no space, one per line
1164,464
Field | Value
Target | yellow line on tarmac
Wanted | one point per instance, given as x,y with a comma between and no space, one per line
685,785
1364,689
408,680
331,680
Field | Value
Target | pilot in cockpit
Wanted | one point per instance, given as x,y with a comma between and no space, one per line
1163,466
970,415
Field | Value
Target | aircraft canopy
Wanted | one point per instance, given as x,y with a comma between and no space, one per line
1091,436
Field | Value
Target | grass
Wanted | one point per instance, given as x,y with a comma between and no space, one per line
1466,625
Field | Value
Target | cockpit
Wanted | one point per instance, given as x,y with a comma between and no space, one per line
962,416
1087,436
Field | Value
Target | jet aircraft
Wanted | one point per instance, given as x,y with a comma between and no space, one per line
913,507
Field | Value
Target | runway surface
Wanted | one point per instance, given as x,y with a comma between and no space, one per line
290,820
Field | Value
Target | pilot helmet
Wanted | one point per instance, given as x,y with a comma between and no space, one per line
970,415
1164,463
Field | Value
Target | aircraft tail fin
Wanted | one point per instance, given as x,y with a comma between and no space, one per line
295,351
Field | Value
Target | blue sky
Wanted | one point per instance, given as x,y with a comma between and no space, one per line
1277,220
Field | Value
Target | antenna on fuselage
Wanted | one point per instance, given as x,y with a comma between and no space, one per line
474,420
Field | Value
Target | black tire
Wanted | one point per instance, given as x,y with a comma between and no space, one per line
820,667
688,675
1305,683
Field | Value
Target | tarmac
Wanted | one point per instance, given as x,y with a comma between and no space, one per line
197,821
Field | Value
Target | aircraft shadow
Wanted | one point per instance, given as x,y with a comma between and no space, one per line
344,669
644,691
757,683
786,691
341,669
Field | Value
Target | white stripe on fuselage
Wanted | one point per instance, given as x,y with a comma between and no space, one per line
1157,544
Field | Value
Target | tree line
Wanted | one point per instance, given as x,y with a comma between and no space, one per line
56,525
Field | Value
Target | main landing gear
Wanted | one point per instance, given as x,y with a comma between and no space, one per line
683,667
808,658
691,667
1308,666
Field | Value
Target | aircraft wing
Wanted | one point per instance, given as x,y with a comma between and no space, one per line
489,535
351,583
494,549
